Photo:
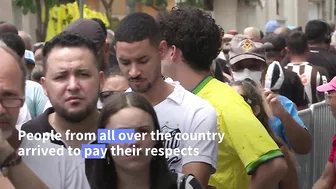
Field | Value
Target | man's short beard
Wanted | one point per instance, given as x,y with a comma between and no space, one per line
76,117
144,90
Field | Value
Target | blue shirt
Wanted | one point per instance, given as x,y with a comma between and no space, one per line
276,123
35,98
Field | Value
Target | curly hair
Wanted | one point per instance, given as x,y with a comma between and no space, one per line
195,33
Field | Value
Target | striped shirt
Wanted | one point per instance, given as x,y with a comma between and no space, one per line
310,78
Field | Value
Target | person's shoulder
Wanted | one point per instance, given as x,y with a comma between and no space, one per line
216,89
35,90
316,52
39,124
293,77
183,95
34,84
221,95
289,73
193,101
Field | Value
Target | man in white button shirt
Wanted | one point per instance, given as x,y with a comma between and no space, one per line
137,47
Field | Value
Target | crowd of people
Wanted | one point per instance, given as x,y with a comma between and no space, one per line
179,72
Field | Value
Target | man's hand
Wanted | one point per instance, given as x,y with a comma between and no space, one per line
5,148
274,103
298,137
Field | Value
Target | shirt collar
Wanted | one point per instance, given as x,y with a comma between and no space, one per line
202,84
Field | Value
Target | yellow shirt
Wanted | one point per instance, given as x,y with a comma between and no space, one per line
246,142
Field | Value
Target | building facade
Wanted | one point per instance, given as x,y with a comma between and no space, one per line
228,13
232,15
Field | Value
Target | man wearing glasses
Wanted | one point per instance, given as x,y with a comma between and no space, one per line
12,92
114,83
328,178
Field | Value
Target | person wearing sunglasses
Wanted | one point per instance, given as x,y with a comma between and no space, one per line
114,83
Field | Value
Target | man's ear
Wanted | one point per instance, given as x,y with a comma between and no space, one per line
163,48
101,80
106,48
43,83
286,51
283,52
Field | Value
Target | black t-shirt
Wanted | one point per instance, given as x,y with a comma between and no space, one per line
293,89
41,124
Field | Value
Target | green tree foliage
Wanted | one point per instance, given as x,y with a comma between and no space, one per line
191,3
32,5
35,6
154,2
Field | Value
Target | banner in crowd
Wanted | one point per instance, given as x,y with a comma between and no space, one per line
62,15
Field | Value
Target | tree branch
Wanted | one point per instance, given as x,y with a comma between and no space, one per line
110,3
104,3
154,7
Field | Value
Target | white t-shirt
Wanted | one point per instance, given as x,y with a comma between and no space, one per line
66,172
184,112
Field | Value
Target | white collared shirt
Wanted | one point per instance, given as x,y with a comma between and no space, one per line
184,112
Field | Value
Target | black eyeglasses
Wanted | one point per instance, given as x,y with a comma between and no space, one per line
12,103
105,94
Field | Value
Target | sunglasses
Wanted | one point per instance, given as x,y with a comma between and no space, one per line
105,94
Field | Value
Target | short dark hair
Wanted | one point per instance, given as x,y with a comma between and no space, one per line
37,73
14,42
318,31
102,24
297,42
69,39
278,42
6,27
195,32
137,27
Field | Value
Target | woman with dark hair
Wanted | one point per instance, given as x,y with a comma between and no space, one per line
131,110
253,96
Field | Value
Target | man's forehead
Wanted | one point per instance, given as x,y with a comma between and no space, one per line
59,50
67,57
10,85
131,46
133,50
78,65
